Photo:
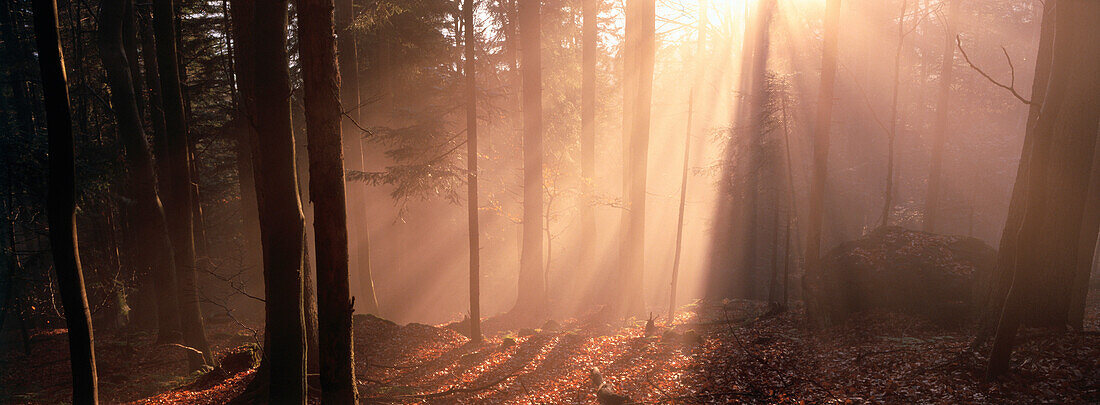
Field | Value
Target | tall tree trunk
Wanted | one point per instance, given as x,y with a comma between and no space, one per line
1086,249
168,314
151,223
1005,270
471,172
642,45
822,126
531,296
281,221
939,134
326,191
358,236
700,44
61,204
178,187
241,15
1058,180
589,51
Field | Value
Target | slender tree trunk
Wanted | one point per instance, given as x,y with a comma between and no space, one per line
699,46
130,40
822,126
939,135
61,204
888,193
156,102
531,297
179,189
151,225
1058,181
471,172
281,221
326,190
589,51
792,205
358,236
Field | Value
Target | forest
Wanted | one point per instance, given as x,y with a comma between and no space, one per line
549,201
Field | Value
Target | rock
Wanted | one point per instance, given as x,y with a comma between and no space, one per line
507,342
670,336
895,269
526,332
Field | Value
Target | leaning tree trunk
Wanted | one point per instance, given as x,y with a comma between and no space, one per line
822,125
61,204
178,190
939,134
531,297
1058,181
326,191
151,224
1005,269
281,221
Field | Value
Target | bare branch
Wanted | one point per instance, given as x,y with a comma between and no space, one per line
1011,87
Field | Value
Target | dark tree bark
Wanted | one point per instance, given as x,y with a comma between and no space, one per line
471,172
1057,180
281,222
358,236
589,51
531,296
178,189
326,191
151,224
939,134
61,204
244,67
1086,248
1005,270
822,126
699,46
156,102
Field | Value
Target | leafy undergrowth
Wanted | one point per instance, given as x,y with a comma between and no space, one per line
713,353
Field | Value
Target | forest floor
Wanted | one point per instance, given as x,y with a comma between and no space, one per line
715,353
